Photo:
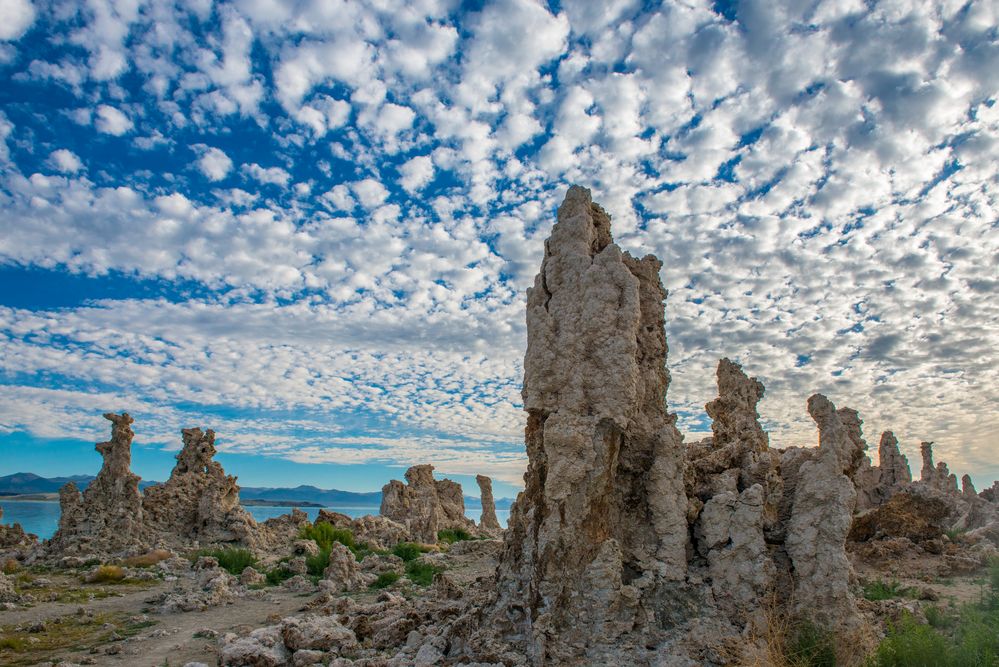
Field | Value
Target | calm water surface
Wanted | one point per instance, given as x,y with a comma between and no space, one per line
41,517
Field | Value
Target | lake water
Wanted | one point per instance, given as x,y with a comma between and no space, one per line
41,517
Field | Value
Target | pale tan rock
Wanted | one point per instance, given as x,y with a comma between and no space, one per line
894,466
13,537
425,505
315,632
7,592
344,571
820,520
378,532
261,648
968,487
108,516
488,522
251,577
602,518
199,501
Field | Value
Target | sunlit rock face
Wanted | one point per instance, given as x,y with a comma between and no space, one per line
107,516
425,505
599,534
199,501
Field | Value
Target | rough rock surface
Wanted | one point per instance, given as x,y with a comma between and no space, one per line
14,537
199,501
344,571
598,536
488,523
425,505
894,466
108,516
914,516
7,592
824,498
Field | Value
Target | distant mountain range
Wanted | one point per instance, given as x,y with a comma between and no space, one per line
23,483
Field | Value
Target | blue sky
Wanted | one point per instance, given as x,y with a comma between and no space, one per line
309,225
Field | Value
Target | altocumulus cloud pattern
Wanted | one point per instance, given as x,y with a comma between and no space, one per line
310,224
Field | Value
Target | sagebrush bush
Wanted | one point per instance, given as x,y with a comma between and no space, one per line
147,559
318,563
886,590
452,535
325,535
408,551
385,579
421,573
233,560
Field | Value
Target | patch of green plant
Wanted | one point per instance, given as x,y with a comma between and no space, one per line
452,535
318,563
363,549
408,550
324,534
385,579
107,574
20,647
278,575
231,559
421,573
812,646
953,533
886,590
937,617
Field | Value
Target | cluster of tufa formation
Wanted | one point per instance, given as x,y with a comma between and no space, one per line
488,523
424,505
199,503
626,547
107,516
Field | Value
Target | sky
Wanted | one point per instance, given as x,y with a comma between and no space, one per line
310,225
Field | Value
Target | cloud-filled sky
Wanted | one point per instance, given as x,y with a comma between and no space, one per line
310,225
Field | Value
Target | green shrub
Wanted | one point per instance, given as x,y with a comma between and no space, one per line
385,579
909,644
937,617
886,590
421,573
452,535
231,559
278,575
325,535
408,551
317,564
812,646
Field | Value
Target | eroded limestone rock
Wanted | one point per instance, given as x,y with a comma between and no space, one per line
599,533
488,523
824,498
108,516
13,537
425,505
199,501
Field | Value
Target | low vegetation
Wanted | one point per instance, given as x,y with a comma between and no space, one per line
421,573
39,643
231,559
887,590
325,535
965,636
452,535
148,559
318,563
409,550
106,574
385,579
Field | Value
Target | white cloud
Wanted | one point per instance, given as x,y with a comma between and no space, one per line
112,121
6,128
270,175
416,173
369,192
213,163
16,16
65,161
